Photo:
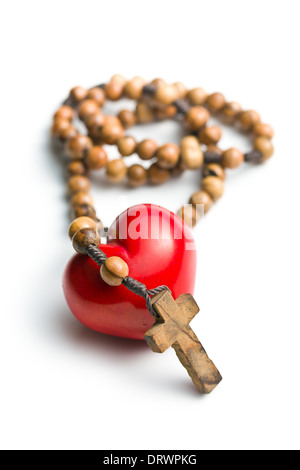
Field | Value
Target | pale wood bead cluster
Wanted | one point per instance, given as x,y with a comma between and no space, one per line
157,100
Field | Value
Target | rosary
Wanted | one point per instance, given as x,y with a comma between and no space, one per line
151,243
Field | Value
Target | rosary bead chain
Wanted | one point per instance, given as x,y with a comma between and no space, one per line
156,100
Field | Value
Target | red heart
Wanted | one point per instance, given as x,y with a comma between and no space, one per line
159,250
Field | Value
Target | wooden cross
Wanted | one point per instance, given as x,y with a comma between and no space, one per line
172,328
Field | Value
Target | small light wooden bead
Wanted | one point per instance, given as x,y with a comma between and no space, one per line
58,126
116,170
210,135
78,146
85,237
230,112
127,118
87,108
78,93
95,120
165,113
114,89
168,156
157,175
166,94
158,82
181,90
64,112
82,197
96,158
213,169
189,215
191,153
80,223
68,133
201,198
98,95
144,113
265,146
137,175
263,130
146,149
212,148
213,186
78,183
82,210
112,131
76,167
247,119
215,102
134,88
197,117
114,271
232,158
126,145
197,96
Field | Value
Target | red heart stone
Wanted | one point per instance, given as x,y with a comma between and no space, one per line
159,250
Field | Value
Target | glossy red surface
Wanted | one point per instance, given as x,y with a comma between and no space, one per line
159,250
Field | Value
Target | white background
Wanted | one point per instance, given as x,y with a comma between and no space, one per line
65,387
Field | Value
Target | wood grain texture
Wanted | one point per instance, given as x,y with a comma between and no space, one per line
172,329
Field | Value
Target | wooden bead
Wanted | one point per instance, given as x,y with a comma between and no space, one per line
114,271
197,117
213,186
215,102
116,170
197,96
95,120
201,198
76,167
213,169
127,118
230,112
98,95
146,149
85,237
212,148
134,88
87,108
81,197
96,158
166,94
158,82
82,210
263,130
247,119
232,158
181,90
111,131
165,113
210,135
80,223
137,175
78,183
191,153
58,126
144,113
64,112
78,93
115,88
68,133
168,156
157,175
265,146
189,215
78,146
126,145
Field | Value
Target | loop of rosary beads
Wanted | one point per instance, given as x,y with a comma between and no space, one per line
155,101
